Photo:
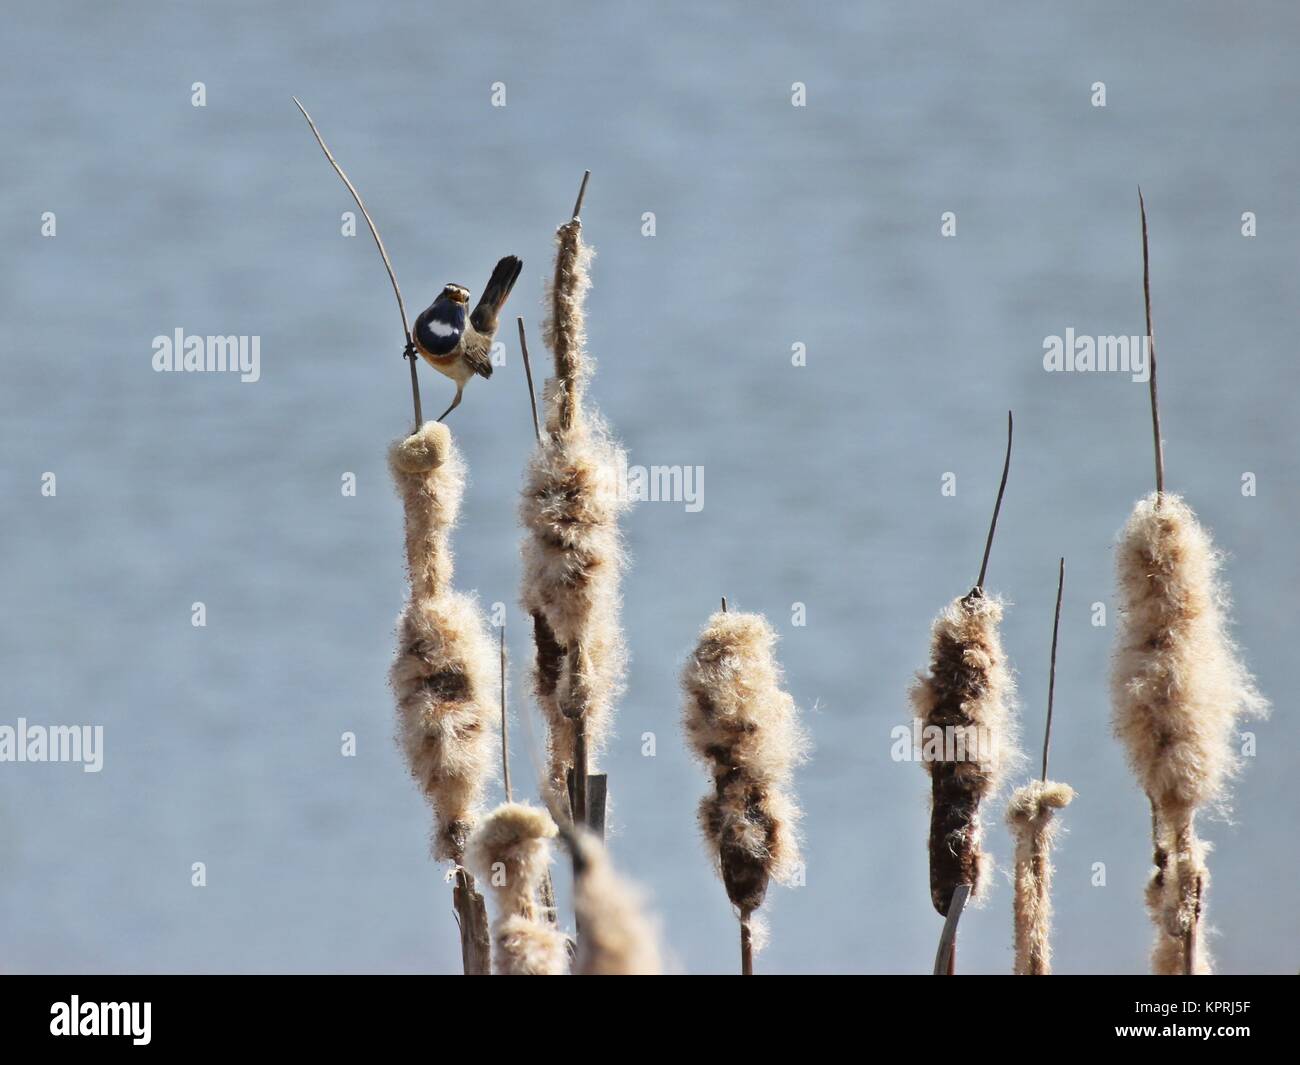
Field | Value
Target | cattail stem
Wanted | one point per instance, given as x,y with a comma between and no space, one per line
580,772
392,276
988,544
582,191
597,796
945,958
546,894
1192,946
505,725
1151,353
528,372
1051,677
471,916
746,946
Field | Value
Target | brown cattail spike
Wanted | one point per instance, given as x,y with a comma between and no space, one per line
964,710
743,728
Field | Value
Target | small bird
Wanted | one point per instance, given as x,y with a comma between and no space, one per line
450,345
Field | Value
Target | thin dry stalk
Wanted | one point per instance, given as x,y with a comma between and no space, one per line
505,723
383,252
528,375
997,506
1051,676
1151,351
744,729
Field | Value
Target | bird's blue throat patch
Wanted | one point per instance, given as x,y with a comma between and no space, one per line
438,330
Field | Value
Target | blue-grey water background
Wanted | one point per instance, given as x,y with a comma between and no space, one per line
775,225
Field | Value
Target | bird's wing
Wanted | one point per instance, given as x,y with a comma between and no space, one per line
477,355
495,294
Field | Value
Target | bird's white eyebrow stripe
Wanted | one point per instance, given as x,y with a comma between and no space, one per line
441,329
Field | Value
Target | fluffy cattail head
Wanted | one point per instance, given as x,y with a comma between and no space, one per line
573,555
964,705
1035,803
1178,685
743,727
617,938
527,947
444,675
444,680
1030,815
565,328
510,852
430,477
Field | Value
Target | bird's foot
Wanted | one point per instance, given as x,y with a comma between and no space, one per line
409,351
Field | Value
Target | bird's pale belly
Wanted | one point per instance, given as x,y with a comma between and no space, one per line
453,365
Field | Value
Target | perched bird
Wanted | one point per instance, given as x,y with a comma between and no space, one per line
456,348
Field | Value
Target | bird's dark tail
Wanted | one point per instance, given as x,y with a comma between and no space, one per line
495,294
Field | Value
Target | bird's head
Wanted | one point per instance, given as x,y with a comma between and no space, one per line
455,293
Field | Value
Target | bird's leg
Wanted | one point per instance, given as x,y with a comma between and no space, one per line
454,404
409,351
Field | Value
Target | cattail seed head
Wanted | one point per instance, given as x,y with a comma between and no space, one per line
1030,814
966,700
617,938
743,728
510,852
444,675
565,326
573,553
430,477
527,947
1178,684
